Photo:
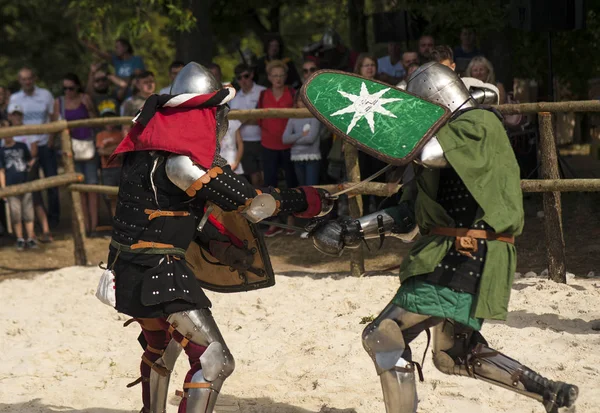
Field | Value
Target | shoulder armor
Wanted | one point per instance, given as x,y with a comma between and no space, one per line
182,171
432,155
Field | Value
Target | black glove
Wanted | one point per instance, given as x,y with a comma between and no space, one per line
228,254
332,237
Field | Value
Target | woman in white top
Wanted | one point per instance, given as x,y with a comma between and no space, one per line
304,134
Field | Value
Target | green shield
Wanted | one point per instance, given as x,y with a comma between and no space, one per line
388,123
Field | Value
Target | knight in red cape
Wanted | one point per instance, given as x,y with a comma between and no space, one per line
171,170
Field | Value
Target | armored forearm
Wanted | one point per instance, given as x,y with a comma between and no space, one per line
332,237
233,192
396,222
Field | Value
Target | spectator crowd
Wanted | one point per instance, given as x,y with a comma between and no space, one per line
267,151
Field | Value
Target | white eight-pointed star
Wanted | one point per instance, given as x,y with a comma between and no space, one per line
365,106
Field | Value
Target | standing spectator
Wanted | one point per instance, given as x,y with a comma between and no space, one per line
390,68
126,64
426,45
482,69
15,160
15,118
215,69
144,85
247,98
305,154
409,71
232,147
308,68
409,58
273,48
276,154
467,48
76,105
326,137
3,103
38,108
106,90
107,141
174,69
443,55
366,66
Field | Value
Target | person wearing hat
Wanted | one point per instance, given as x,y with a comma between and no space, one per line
106,142
15,162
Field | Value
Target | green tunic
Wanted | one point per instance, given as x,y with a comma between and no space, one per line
477,147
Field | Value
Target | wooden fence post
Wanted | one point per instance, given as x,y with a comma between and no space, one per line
77,220
355,206
555,242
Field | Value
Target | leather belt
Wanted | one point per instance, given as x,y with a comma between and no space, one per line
148,247
152,213
466,239
473,233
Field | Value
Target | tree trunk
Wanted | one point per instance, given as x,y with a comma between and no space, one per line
197,45
358,25
274,13
553,230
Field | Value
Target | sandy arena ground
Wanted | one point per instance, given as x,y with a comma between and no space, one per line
297,347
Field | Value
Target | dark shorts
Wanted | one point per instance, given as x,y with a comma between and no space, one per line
89,170
252,158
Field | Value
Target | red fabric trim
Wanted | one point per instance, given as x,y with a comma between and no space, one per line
313,199
221,228
184,131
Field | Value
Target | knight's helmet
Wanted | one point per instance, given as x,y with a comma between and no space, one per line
195,78
440,84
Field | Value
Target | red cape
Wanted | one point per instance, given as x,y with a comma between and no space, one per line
184,131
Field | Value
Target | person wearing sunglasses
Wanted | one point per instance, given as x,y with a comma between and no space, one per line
247,98
76,105
105,89
308,68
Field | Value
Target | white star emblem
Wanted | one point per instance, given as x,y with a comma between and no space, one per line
365,105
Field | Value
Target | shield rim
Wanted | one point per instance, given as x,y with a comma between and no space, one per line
391,160
269,277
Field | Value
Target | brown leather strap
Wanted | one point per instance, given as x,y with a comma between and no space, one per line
196,386
155,213
139,380
181,394
155,350
473,233
150,244
126,323
184,342
163,371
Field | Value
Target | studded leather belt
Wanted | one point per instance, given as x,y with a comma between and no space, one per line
466,239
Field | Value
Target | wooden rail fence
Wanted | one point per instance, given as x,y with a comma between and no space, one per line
550,185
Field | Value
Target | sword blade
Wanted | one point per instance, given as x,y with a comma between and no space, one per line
364,181
284,226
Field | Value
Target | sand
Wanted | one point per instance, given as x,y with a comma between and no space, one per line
297,347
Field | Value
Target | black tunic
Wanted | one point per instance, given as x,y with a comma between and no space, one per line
457,271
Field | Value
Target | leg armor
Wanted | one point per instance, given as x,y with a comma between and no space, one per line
210,360
158,361
460,350
386,340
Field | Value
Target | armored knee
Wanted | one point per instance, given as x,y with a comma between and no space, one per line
384,342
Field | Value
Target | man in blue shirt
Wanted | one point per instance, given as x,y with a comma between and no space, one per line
126,64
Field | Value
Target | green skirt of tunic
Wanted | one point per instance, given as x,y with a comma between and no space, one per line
418,296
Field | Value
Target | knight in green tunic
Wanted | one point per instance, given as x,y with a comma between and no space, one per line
466,201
